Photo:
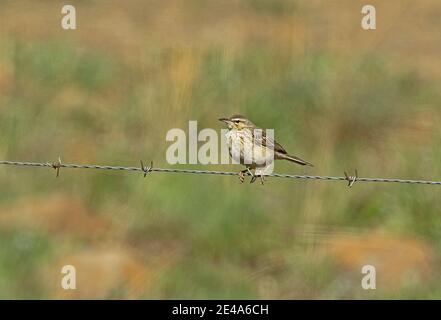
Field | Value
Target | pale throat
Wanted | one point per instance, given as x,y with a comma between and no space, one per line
234,134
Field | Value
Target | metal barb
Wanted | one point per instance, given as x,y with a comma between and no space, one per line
146,169
57,166
351,179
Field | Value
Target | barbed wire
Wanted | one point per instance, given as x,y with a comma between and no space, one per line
148,169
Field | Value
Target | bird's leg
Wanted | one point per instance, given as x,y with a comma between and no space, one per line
261,176
242,175
253,175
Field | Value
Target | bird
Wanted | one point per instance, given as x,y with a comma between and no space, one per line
251,146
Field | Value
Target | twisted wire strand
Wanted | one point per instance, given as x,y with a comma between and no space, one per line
146,170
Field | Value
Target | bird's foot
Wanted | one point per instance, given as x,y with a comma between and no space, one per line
261,176
253,176
259,172
242,176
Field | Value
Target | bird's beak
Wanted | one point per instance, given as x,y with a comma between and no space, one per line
226,120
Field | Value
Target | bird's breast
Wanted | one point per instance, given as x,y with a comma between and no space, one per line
237,138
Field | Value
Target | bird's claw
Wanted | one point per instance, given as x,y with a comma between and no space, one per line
241,176
253,176
262,178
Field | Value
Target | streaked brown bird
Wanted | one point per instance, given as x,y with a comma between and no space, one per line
251,146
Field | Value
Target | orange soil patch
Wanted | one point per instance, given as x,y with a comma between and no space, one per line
398,260
55,213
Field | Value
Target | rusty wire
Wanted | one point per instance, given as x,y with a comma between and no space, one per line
145,170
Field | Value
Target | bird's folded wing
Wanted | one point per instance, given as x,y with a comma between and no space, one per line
261,138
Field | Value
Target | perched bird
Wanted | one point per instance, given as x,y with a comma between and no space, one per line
252,147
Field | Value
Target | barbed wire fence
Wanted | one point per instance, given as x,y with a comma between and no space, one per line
145,170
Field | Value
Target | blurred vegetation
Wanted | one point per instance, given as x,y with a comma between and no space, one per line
108,92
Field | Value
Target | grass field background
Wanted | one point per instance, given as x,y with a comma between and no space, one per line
338,96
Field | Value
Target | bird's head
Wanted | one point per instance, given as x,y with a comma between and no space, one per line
237,122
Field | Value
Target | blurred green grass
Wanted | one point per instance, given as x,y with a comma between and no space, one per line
71,96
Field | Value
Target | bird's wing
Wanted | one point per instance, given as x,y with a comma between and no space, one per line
269,142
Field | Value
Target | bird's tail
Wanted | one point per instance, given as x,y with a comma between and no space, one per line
295,159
